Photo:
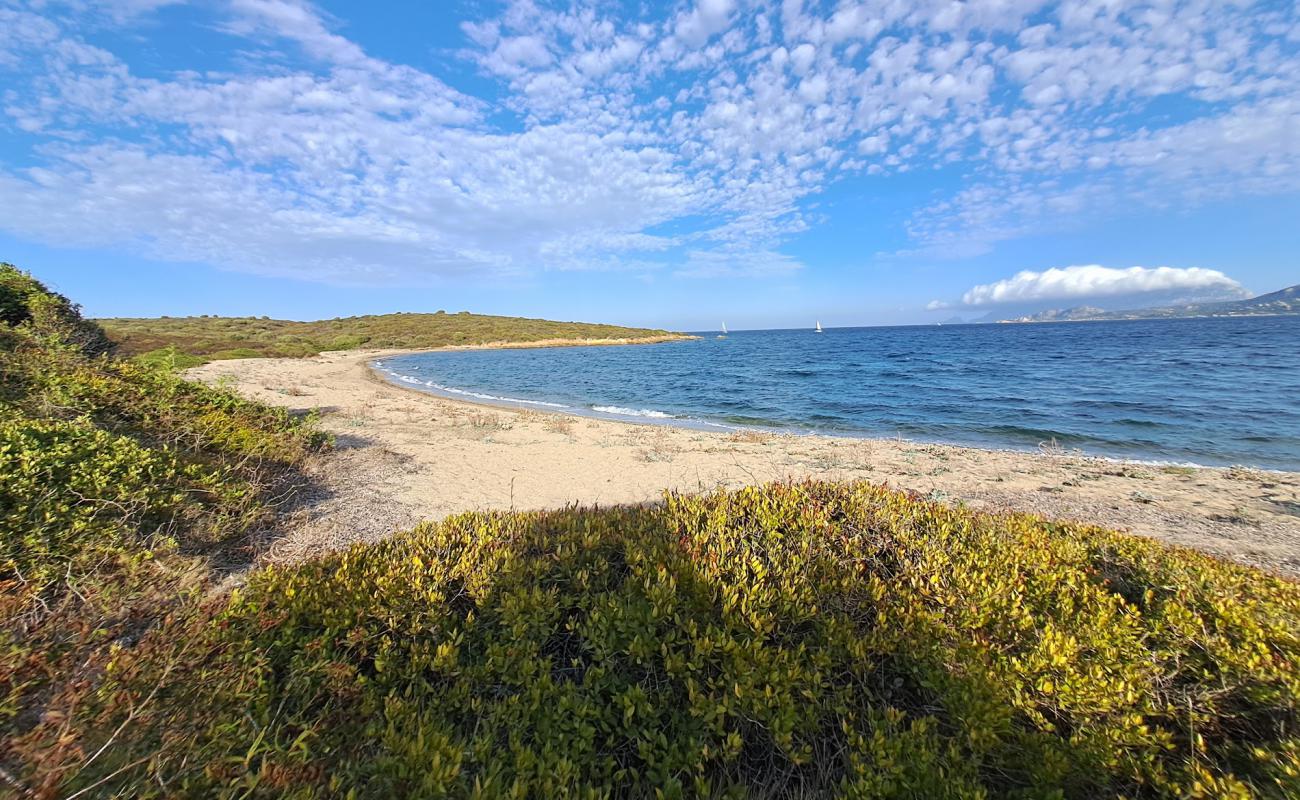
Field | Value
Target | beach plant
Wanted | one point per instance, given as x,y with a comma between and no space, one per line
26,303
119,486
169,358
791,640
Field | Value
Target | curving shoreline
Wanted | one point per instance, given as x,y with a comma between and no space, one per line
406,454
658,418
672,337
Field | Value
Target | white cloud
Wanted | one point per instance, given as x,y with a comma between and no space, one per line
296,20
602,126
525,51
737,262
709,17
1095,281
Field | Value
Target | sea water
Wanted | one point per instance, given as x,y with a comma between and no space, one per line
1202,391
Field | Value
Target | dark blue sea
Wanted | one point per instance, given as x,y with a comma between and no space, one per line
1200,391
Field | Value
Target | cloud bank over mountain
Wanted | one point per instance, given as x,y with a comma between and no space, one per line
1093,281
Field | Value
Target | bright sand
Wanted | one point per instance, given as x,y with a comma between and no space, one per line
403,456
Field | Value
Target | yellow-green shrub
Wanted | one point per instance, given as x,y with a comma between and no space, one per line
115,479
153,405
67,488
806,640
169,358
26,303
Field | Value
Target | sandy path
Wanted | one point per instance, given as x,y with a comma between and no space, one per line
403,456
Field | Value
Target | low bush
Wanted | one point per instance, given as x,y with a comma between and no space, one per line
119,483
789,640
55,320
71,493
169,358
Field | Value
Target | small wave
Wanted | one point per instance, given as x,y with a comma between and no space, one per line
1021,433
476,395
1140,423
632,412
492,397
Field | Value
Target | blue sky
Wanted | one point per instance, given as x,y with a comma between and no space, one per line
667,164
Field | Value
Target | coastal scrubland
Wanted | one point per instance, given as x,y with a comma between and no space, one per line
186,341
121,488
784,640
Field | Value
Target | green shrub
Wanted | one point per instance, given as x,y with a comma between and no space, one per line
236,352
169,358
69,487
348,342
806,640
153,405
24,301
118,482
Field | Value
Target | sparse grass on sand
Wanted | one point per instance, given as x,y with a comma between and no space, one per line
559,423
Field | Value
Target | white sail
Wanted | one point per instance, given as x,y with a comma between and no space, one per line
724,327
819,327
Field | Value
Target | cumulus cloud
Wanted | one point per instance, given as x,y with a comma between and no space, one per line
706,19
1095,281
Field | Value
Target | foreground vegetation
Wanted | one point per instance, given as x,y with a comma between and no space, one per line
789,640
188,341
120,489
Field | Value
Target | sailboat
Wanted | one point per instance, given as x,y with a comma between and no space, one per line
723,335
818,329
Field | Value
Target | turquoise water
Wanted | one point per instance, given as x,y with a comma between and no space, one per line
1204,391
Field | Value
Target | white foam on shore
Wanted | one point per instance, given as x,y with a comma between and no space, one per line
618,411
476,395
649,413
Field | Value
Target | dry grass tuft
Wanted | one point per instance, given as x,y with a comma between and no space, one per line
489,422
556,423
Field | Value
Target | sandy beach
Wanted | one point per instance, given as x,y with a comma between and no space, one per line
403,456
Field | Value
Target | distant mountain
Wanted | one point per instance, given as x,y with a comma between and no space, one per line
1283,301
1063,315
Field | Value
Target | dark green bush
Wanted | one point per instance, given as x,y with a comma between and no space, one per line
25,302
348,342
